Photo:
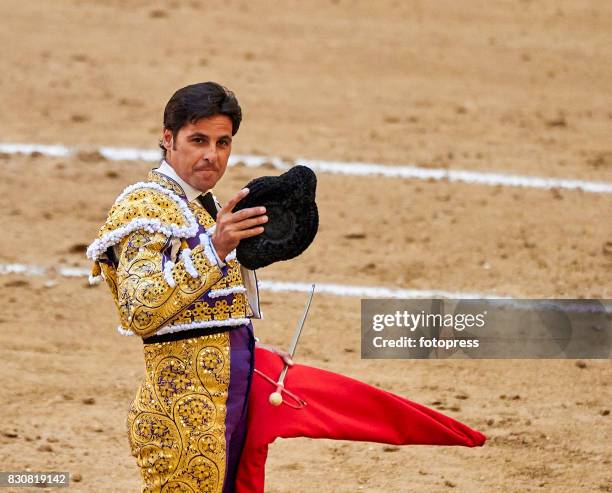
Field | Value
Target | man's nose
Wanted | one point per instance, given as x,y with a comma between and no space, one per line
210,154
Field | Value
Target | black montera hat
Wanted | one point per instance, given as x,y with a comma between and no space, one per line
293,219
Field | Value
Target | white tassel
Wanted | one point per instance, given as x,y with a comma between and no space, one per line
168,273
203,325
93,280
216,293
205,242
124,332
189,267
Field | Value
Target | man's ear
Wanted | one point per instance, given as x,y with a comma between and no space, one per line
167,139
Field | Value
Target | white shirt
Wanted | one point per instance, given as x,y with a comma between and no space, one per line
191,192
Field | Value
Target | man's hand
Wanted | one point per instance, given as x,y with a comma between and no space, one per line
235,226
286,357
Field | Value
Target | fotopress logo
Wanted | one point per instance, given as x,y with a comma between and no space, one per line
486,328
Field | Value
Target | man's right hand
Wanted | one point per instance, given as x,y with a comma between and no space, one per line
235,226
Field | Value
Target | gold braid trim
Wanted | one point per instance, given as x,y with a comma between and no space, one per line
146,206
146,300
144,203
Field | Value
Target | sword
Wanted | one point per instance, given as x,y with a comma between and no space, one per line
276,397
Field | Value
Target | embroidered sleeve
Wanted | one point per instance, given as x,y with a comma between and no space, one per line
151,288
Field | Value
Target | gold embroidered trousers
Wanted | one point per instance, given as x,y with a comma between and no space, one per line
187,423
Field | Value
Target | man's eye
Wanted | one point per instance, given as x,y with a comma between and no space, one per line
198,140
224,143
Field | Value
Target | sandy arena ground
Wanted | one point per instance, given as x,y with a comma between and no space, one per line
518,87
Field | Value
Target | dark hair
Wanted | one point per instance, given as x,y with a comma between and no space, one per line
205,99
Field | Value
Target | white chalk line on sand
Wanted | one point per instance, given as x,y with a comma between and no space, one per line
344,290
336,167
278,286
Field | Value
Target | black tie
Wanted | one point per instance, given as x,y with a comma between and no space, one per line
208,202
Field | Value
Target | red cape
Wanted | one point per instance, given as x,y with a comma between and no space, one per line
339,408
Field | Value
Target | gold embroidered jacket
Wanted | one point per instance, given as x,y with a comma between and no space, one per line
157,289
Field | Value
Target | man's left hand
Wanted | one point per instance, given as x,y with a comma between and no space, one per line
286,357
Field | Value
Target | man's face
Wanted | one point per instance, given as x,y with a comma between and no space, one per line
200,151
